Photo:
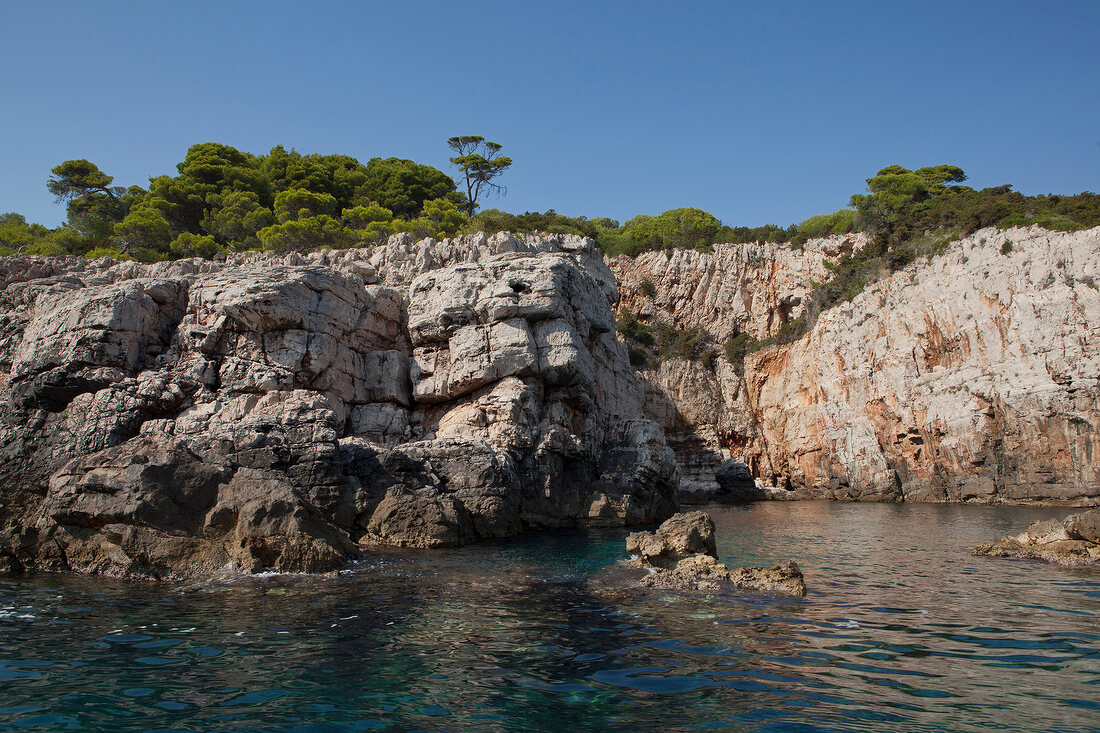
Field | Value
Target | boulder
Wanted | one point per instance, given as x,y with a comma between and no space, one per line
682,555
152,508
736,484
783,577
1072,541
1084,526
681,536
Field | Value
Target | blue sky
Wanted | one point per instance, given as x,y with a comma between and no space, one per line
757,112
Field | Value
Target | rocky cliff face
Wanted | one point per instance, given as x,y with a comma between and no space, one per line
973,376
286,413
738,288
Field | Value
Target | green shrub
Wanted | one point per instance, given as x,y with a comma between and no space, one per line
614,243
741,345
634,330
111,252
193,245
736,348
691,343
687,228
1018,219
492,221
662,341
1006,248
822,225
306,234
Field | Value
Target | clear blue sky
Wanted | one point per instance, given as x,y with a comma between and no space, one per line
755,111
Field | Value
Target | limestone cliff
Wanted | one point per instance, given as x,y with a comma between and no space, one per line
286,413
738,288
971,376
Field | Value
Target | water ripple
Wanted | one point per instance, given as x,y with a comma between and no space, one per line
902,630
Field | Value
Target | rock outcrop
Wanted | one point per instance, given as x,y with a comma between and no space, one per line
288,413
736,484
973,376
1073,541
682,555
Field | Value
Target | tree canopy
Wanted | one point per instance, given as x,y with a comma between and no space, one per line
403,186
894,190
479,162
74,179
222,199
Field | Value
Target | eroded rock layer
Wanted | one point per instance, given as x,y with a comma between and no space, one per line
970,376
285,413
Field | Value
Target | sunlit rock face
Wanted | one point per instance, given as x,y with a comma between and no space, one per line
971,376
289,413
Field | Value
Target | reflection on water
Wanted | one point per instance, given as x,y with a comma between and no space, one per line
901,630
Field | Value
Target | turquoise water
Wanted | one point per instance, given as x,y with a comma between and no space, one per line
902,630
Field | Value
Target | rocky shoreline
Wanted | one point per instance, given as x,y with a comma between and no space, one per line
289,413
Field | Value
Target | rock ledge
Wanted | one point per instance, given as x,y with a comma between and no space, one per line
1073,541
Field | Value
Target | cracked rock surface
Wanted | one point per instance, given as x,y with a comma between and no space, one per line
289,413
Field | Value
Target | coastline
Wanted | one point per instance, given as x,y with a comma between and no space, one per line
287,413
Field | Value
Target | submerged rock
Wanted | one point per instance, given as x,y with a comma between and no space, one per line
289,413
682,555
1073,541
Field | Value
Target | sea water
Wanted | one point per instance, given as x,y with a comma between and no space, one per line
901,630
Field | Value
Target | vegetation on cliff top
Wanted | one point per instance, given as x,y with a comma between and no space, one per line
224,200
908,214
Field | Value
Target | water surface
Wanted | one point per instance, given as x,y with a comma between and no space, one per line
901,630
